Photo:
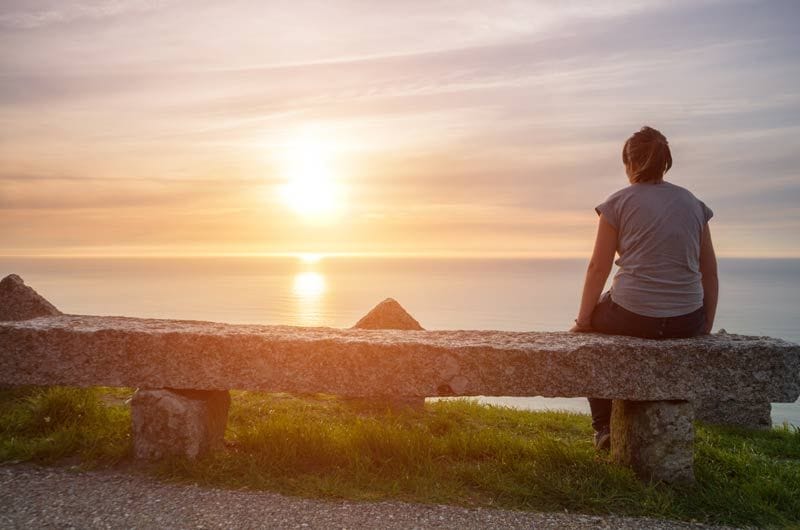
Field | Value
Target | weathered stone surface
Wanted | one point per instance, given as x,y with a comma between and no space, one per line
186,423
749,414
20,302
654,438
753,414
117,351
389,314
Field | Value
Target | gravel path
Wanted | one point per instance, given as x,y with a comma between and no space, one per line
35,497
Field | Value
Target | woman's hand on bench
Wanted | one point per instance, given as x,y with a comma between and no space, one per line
580,327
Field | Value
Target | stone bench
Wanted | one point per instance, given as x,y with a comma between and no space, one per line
653,383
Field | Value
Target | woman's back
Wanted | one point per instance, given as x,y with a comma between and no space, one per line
659,227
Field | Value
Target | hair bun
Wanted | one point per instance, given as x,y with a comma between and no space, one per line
647,150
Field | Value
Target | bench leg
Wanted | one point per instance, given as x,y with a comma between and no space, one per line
748,414
168,422
654,438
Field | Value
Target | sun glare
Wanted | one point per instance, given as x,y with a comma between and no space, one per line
309,285
312,189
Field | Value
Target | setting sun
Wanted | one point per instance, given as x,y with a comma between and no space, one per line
311,189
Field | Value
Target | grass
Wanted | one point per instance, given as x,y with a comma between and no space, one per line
54,424
456,452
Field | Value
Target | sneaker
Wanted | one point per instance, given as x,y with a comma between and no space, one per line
602,439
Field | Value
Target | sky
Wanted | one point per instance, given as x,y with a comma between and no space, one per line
417,127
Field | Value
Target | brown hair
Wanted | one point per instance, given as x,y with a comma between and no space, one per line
648,152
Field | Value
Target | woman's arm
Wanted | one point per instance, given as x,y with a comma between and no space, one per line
605,246
708,268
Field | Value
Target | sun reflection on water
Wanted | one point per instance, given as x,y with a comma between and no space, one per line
309,285
309,292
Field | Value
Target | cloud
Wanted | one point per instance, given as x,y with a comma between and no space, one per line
26,15
55,193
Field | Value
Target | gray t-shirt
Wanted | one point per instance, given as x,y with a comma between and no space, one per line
659,230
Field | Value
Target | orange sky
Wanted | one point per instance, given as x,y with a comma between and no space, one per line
494,129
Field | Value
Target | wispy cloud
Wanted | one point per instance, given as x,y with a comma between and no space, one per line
30,15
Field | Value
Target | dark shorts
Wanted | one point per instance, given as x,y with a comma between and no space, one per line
613,319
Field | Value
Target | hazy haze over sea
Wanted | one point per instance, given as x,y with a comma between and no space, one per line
758,296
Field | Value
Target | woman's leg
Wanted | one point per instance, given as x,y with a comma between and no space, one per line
601,414
612,319
603,321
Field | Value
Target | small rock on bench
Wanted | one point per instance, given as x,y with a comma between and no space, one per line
20,302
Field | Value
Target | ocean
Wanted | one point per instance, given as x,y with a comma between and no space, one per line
757,296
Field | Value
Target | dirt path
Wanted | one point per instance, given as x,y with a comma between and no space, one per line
36,497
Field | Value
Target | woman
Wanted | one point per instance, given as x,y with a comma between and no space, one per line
666,285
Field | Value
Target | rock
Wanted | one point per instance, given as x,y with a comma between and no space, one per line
20,302
654,438
388,315
187,423
748,414
118,351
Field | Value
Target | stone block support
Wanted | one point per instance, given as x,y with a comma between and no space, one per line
654,438
749,414
187,423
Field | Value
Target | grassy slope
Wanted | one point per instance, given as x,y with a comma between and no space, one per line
454,452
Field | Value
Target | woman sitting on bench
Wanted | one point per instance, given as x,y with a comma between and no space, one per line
666,285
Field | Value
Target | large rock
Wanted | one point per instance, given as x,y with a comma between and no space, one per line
117,351
654,438
388,314
187,423
20,302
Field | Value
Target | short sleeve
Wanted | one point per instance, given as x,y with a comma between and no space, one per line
707,212
609,211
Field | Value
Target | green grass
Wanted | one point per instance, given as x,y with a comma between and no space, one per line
455,452
51,425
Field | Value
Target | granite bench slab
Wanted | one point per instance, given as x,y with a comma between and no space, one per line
120,351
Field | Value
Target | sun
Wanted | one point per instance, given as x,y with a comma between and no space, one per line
311,187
